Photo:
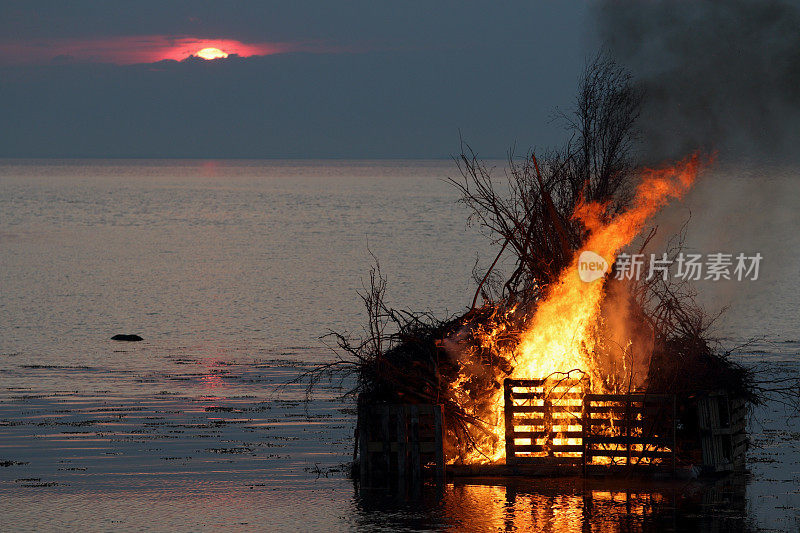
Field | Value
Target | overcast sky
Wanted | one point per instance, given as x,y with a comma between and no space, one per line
311,79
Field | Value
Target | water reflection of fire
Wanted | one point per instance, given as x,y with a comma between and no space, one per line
572,505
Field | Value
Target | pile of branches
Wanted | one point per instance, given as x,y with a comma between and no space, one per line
529,216
407,357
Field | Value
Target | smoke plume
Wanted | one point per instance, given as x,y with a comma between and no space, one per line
721,75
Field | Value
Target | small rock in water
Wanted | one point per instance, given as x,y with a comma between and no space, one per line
130,338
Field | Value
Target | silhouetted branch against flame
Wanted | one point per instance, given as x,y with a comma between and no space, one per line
566,249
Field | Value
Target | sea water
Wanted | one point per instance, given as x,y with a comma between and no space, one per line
233,272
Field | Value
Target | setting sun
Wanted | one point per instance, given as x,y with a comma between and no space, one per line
211,53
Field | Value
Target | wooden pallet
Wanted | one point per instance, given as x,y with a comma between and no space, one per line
399,443
533,408
723,432
556,423
629,431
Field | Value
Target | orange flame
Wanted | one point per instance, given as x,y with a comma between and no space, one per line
562,334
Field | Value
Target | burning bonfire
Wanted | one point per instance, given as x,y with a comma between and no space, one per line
585,331
557,219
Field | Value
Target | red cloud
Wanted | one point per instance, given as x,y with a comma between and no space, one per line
130,50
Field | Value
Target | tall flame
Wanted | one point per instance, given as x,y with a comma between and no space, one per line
562,334
563,329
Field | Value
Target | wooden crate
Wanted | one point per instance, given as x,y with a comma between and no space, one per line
630,431
555,423
533,408
399,443
723,432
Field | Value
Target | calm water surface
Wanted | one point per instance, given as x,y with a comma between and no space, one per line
231,271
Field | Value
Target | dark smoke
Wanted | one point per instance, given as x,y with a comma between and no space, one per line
717,75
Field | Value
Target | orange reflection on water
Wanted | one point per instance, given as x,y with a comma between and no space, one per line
567,505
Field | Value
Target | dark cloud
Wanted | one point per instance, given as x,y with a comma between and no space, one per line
387,104
425,23
427,70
